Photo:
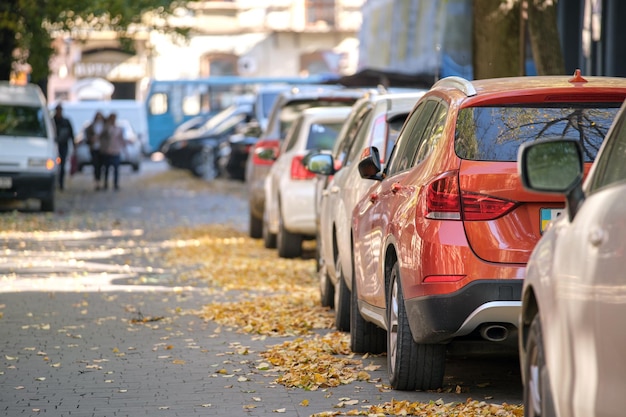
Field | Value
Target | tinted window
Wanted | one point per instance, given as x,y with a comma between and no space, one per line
495,133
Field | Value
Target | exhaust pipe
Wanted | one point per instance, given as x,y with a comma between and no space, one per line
494,332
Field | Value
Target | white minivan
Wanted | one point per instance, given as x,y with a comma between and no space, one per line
28,151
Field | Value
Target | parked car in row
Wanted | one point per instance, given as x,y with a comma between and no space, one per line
234,151
375,120
572,340
132,155
286,109
197,150
289,187
442,238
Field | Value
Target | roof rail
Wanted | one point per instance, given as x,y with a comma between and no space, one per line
459,83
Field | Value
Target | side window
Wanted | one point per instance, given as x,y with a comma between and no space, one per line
610,166
359,141
432,134
394,127
292,135
343,152
409,140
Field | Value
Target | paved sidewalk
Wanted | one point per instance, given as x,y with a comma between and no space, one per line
91,326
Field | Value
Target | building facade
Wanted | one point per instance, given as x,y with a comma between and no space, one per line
239,37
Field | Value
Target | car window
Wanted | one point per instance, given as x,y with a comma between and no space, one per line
357,145
393,130
23,121
342,151
495,133
290,111
610,166
292,134
432,134
322,136
409,139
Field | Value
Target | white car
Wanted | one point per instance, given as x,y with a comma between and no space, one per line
572,338
289,214
375,120
132,156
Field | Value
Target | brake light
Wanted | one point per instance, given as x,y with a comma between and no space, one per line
265,152
442,198
299,171
483,207
445,201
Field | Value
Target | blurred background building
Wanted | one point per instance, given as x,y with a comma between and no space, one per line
238,37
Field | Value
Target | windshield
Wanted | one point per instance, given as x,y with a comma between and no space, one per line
22,121
223,117
495,133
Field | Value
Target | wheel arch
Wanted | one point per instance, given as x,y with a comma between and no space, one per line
530,308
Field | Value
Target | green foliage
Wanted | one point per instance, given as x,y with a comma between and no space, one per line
30,25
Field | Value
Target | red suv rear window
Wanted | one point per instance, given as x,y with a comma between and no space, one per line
495,133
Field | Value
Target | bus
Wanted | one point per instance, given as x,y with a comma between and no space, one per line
172,102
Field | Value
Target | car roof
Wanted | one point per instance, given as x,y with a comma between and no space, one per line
315,112
553,87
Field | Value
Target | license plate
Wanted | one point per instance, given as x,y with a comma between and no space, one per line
547,215
6,182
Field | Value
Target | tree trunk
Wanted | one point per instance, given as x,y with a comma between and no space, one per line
544,37
7,40
496,39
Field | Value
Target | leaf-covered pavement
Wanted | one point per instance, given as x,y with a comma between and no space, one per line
272,302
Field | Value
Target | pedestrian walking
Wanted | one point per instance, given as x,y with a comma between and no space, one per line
93,132
64,135
112,145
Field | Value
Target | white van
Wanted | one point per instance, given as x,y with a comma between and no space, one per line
81,112
28,152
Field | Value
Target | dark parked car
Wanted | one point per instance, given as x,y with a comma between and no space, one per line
233,153
197,149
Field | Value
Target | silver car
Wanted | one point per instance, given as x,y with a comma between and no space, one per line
572,339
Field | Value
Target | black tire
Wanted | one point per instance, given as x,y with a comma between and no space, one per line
327,289
538,401
411,366
47,204
269,239
255,227
289,244
342,299
365,337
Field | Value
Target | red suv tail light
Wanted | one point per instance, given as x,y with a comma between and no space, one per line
265,152
299,171
445,201
483,207
442,198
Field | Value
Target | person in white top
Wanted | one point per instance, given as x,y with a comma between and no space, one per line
93,133
112,145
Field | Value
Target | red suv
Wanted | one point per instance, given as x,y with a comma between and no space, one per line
442,239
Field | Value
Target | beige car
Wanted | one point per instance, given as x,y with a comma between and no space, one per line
572,338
